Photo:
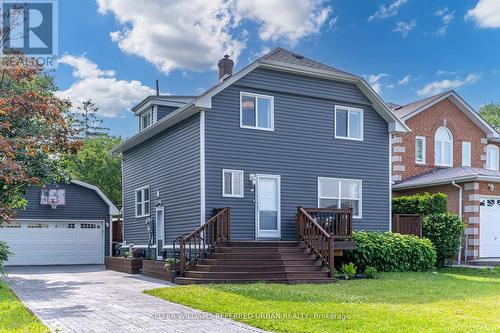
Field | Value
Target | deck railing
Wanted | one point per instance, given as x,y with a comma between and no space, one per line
315,237
203,240
337,222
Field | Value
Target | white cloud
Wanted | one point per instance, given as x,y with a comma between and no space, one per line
385,11
194,34
442,72
111,95
437,87
404,81
404,28
486,14
447,17
374,81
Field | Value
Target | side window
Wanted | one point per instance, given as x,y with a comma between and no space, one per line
420,150
256,111
466,154
232,183
340,193
348,123
142,202
492,157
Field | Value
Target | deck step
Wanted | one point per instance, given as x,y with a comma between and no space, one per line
317,267
256,275
258,262
261,250
263,256
188,281
261,244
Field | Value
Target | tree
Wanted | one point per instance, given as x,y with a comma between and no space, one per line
95,165
491,113
86,121
34,133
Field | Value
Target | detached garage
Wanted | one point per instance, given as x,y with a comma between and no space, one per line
63,224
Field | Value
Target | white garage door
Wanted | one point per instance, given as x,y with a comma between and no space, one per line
489,229
54,242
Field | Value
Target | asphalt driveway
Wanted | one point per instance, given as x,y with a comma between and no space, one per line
93,299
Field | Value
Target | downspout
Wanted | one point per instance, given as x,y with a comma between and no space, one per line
460,201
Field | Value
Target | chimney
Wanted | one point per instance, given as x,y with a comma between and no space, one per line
225,67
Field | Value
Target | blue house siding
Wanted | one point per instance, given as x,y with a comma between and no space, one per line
170,164
163,111
81,204
301,148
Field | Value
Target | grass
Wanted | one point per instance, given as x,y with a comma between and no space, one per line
449,300
14,316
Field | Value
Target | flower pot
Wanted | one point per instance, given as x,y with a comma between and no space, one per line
124,265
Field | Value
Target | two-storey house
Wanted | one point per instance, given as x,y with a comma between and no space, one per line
285,131
452,150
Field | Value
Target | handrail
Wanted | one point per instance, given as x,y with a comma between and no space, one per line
336,221
203,239
315,237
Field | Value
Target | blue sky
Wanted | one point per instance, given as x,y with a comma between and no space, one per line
113,50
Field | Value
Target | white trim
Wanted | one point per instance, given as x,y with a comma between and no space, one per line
469,178
162,209
110,235
467,163
112,208
390,182
362,122
202,168
149,113
257,222
442,148
256,96
340,198
143,202
488,157
424,149
232,195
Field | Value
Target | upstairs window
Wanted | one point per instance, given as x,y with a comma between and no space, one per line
348,123
443,147
232,183
148,118
142,202
340,193
256,111
420,149
466,153
492,157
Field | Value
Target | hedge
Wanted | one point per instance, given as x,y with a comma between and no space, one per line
4,254
391,252
444,230
422,204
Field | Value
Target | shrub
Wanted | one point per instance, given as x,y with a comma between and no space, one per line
444,230
389,251
422,204
348,270
4,254
370,272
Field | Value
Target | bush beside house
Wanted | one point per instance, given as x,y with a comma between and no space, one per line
421,204
4,254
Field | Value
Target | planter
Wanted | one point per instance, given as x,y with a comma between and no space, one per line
156,269
124,265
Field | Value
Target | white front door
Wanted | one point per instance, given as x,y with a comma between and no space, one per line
160,230
268,207
489,228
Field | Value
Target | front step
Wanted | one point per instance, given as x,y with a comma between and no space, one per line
250,261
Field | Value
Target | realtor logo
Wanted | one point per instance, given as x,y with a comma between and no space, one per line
30,28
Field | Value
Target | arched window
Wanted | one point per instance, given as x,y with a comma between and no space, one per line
492,157
443,147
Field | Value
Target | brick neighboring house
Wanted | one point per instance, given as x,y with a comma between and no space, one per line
453,150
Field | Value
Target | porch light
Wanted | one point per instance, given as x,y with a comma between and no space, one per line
253,178
491,187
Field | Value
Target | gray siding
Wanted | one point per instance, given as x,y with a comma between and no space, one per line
168,163
81,204
164,111
300,149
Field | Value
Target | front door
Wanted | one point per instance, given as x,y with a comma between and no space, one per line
268,207
160,230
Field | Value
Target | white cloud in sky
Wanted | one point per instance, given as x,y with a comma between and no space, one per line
195,34
442,72
404,28
437,87
486,14
112,96
374,81
405,80
385,11
447,17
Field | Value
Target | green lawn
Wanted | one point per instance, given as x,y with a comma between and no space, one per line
450,300
14,317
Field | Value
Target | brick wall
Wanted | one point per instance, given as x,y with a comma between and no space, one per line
444,113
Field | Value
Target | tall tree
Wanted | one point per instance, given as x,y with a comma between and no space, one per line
86,121
95,165
491,112
34,132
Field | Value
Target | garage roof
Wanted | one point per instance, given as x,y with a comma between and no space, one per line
112,208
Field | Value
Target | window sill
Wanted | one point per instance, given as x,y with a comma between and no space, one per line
347,138
233,196
141,216
258,128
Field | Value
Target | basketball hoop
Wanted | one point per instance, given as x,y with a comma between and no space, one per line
53,203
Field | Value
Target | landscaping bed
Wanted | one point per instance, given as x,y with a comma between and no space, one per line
156,269
124,265
448,300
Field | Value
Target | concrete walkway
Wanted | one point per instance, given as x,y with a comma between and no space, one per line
92,299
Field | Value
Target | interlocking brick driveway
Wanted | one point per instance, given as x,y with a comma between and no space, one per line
92,299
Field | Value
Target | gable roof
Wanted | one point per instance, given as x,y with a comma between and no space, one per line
447,176
410,110
278,59
112,208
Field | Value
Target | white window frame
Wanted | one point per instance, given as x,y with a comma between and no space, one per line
441,163
340,180
143,202
495,167
424,149
467,160
361,125
232,195
256,96
153,113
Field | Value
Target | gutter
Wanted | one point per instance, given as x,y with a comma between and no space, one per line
447,181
